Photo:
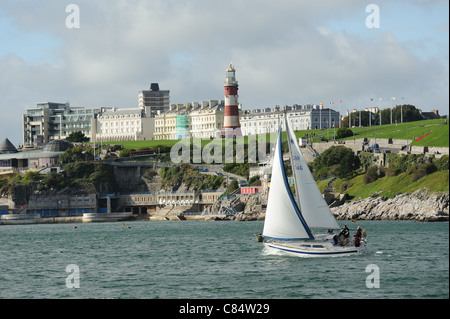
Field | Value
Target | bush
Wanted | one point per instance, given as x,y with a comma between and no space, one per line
173,177
442,163
77,137
337,160
402,163
371,175
31,177
77,154
424,170
232,186
344,132
255,181
241,169
366,159
126,152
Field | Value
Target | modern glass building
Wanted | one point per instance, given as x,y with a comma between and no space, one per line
50,121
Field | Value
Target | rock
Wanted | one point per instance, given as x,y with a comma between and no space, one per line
418,206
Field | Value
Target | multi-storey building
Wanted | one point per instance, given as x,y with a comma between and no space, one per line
49,121
129,124
201,120
302,117
207,120
154,101
165,123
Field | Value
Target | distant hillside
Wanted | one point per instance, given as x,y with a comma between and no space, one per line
434,132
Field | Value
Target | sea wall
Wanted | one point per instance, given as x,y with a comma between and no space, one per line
419,206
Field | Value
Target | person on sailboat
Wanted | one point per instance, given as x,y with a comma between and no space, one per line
358,236
343,236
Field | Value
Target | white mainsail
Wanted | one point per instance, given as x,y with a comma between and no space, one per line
283,219
312,205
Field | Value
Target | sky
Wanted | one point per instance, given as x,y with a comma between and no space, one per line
285,52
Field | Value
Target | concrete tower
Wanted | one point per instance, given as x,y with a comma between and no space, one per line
231,123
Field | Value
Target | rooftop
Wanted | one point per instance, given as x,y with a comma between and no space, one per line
6,147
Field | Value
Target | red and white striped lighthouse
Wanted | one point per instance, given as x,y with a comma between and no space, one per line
231,123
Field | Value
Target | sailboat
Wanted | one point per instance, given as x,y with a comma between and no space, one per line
290,222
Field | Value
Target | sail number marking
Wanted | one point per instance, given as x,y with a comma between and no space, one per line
298,167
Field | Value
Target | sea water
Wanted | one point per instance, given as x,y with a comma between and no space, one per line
220,259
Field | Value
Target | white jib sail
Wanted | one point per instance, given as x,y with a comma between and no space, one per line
312,205
283,220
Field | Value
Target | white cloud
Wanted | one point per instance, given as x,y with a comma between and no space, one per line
285,52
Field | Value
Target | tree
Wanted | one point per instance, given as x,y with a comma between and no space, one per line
232,186
337,160
410,114
344,132
76,154
77,137
371,175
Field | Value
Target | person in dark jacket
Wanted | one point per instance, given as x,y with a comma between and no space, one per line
358,236
343,235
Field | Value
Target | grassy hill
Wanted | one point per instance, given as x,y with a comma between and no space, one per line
434,132
391,186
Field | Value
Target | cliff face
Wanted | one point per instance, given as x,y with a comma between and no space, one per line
418,206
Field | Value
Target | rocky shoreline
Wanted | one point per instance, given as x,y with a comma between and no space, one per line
419,206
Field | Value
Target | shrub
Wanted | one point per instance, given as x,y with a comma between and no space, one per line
344,132
126,152
423,170
371,175
402,163
77,137
337,160
232,186
254,181
442,163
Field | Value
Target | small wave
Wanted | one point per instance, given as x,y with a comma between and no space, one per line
271,251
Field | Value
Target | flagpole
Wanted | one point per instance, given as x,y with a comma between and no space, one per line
379,107
392,106
350,119
401,113
340,101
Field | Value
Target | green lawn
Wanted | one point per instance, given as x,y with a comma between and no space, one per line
437,130
152,144
436,182
142,144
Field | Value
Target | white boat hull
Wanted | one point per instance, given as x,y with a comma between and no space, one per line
316,248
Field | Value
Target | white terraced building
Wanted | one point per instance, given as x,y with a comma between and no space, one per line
207,120
198,120
128,124
301,117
